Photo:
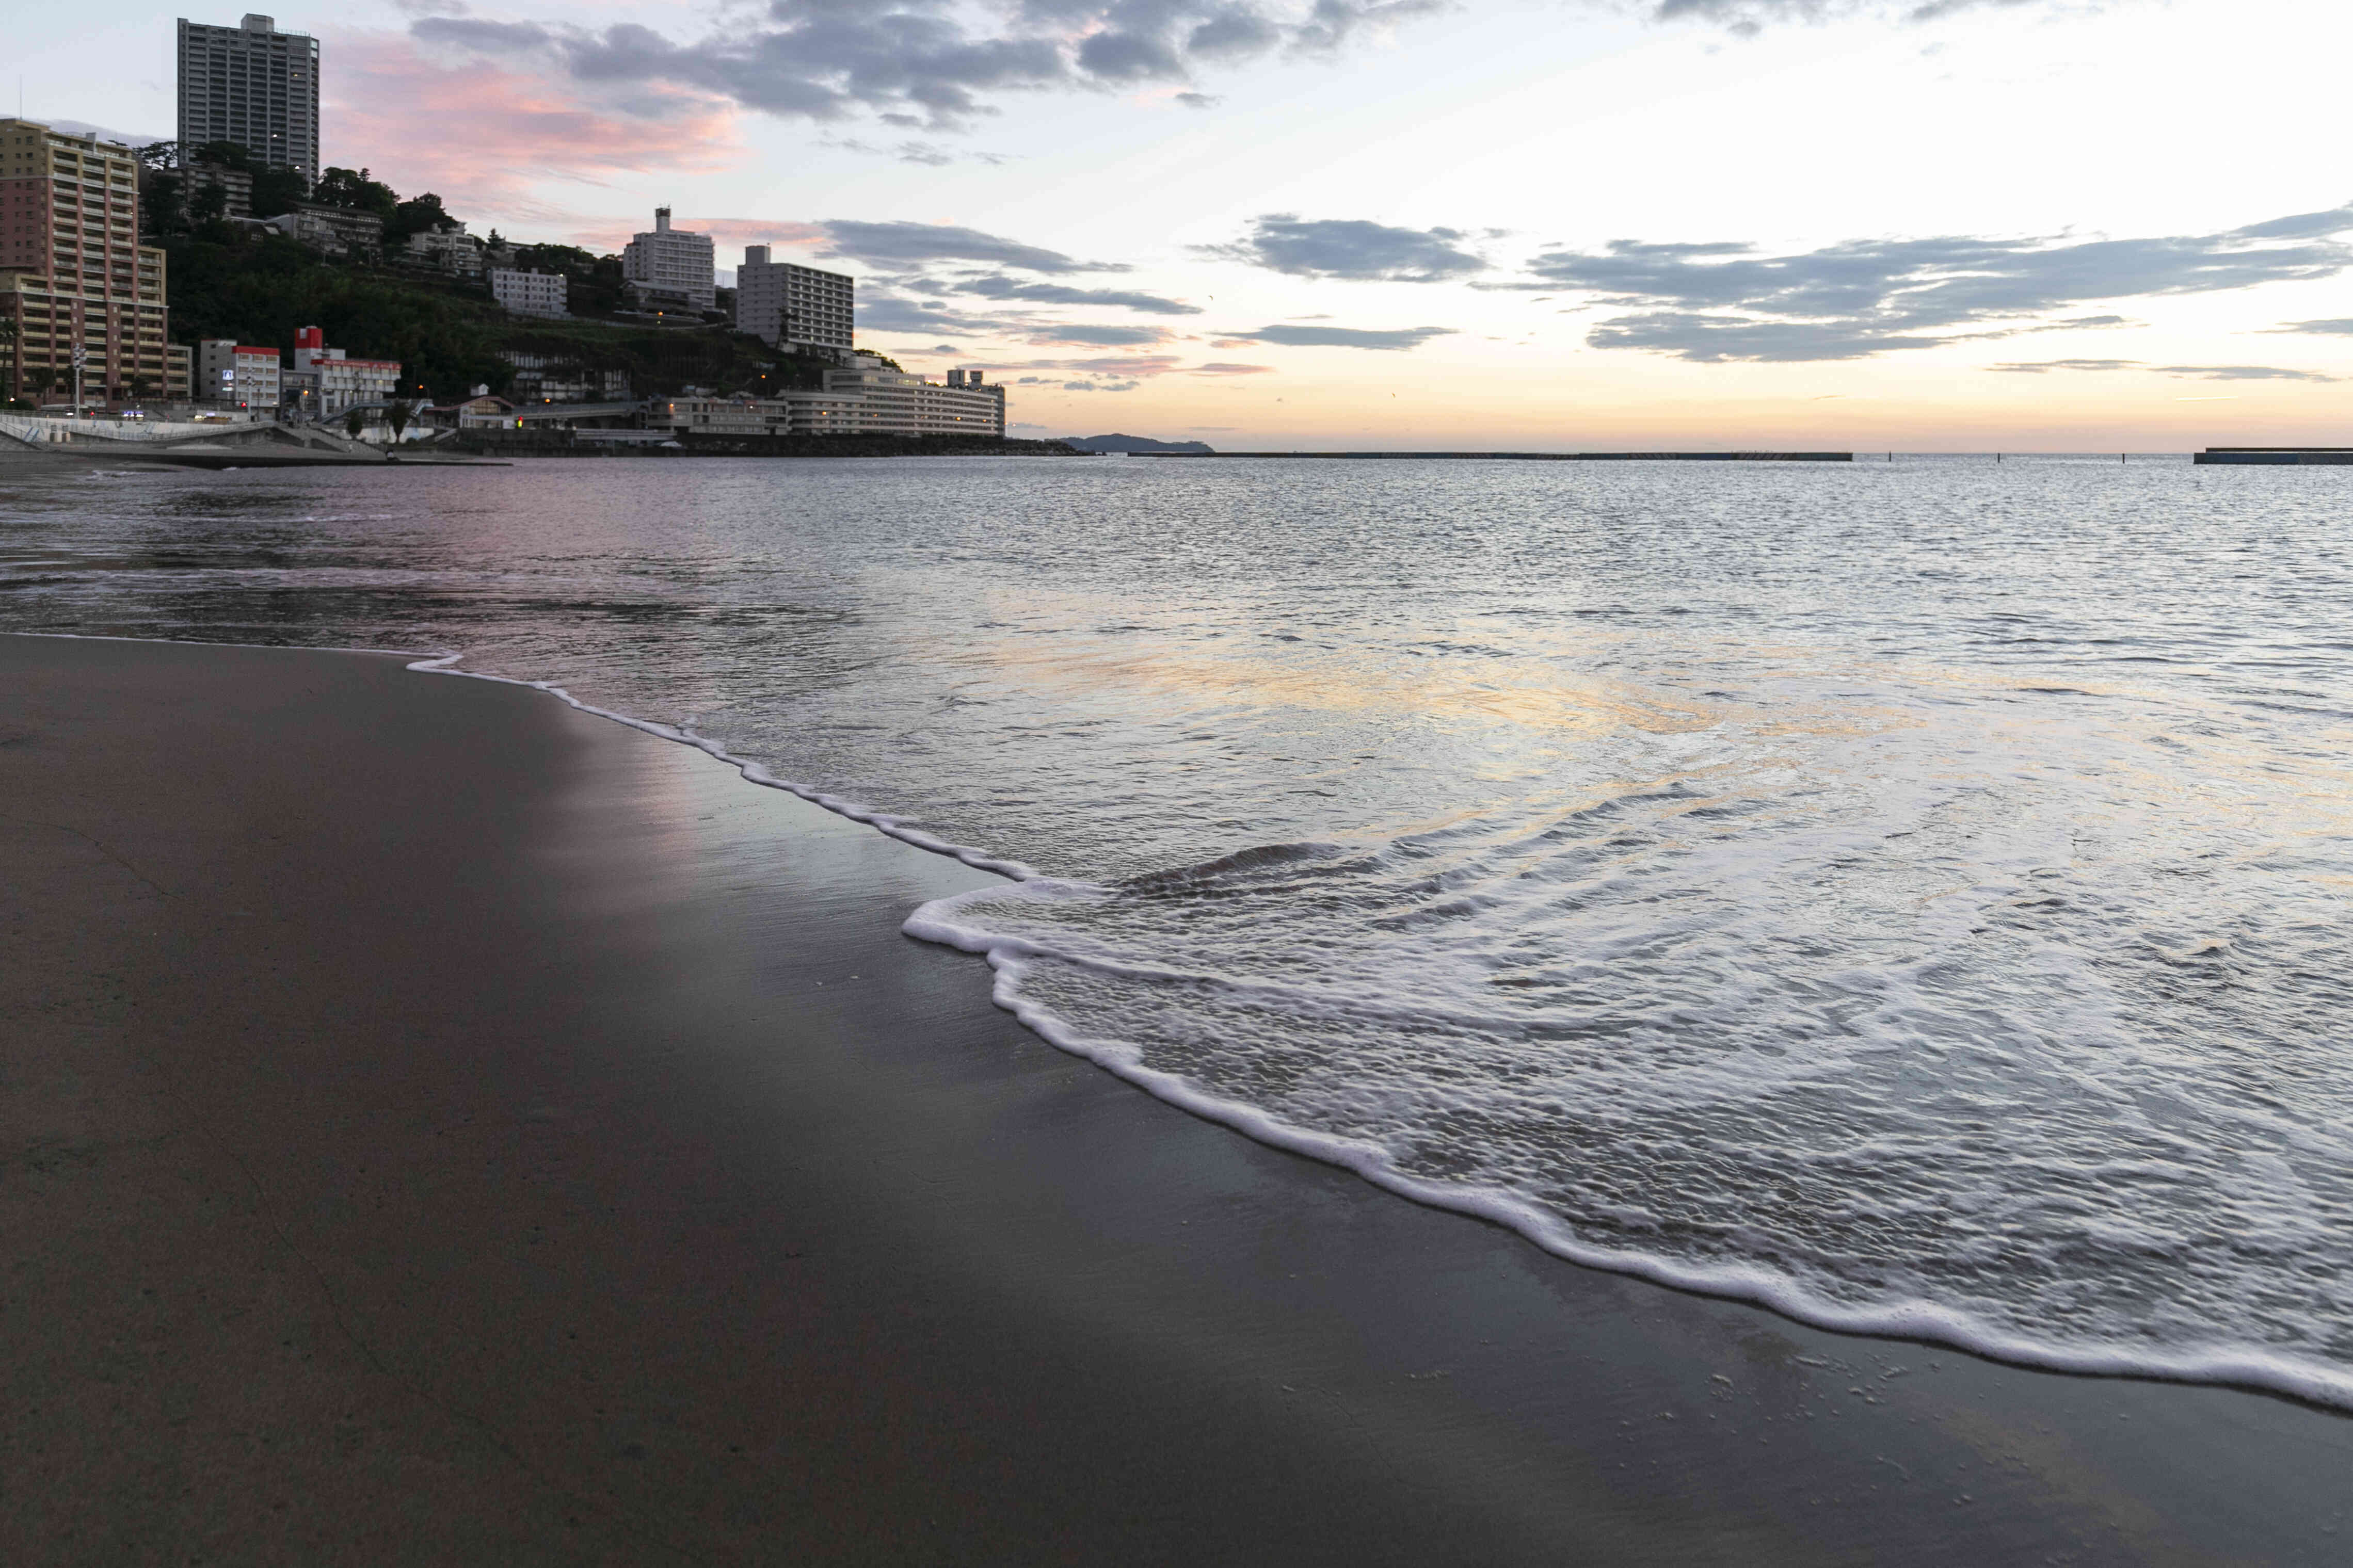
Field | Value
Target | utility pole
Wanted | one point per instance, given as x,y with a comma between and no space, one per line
80,354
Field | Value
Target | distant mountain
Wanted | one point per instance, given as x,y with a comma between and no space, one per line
1134,444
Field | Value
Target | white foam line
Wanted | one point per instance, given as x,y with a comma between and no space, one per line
1009,958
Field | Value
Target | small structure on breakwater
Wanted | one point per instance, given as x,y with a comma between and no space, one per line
1545,457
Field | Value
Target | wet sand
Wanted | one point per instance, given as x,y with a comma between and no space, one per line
439,1126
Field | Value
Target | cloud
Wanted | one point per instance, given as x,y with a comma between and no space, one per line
1747,18
2039,367
1351,249
905,243
1215,368
999,287
1721,300
927,62
2203,371
2243,372
482,136
929,155
1098,337
2331,326
1338,337
881,312
1099,386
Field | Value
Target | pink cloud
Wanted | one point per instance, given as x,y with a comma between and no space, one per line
484,138
1219,368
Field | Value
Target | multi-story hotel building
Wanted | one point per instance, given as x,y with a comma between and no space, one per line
252,85
866,401
73,275
792,306
670,268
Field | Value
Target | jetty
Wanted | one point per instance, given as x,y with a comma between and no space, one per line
2298,455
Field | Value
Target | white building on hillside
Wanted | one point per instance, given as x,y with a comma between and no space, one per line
449,247
532,293
792,306
670,270
894,403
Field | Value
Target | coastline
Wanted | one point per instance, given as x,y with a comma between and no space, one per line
456,1127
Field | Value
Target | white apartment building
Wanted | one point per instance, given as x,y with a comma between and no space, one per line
236,375
532,293
669,269
324,383
252,85
792,306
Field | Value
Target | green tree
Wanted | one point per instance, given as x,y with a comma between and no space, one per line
277,191
159,155
354,422
162,210
209,205
414,217
225,156
397,412
345,188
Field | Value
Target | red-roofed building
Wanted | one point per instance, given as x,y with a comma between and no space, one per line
323,382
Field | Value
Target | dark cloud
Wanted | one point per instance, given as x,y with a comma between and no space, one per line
914,244
881,312
1340,337
1350,247
2329,326
930,62
1723,301
998,287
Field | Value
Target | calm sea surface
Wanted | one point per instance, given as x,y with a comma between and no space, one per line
1915,895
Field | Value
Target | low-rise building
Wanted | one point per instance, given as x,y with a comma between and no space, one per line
554,378
532,293
238,375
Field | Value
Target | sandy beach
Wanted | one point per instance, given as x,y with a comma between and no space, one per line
440,1126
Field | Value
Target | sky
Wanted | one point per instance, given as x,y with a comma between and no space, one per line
1401,225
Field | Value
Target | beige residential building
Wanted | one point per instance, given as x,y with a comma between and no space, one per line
897,404
73,276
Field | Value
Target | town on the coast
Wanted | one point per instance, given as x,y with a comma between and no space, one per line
226,278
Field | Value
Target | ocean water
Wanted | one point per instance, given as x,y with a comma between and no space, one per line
1912,895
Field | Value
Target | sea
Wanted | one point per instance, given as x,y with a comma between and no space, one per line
1915,895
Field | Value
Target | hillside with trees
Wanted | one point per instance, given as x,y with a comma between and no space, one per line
232,279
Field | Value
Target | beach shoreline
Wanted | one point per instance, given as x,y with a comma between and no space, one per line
451,1126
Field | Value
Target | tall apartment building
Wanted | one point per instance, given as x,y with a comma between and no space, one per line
72,272
252,85
671,269
792,306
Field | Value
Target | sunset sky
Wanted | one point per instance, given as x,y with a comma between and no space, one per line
1549,223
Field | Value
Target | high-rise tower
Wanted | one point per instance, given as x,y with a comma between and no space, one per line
252,85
